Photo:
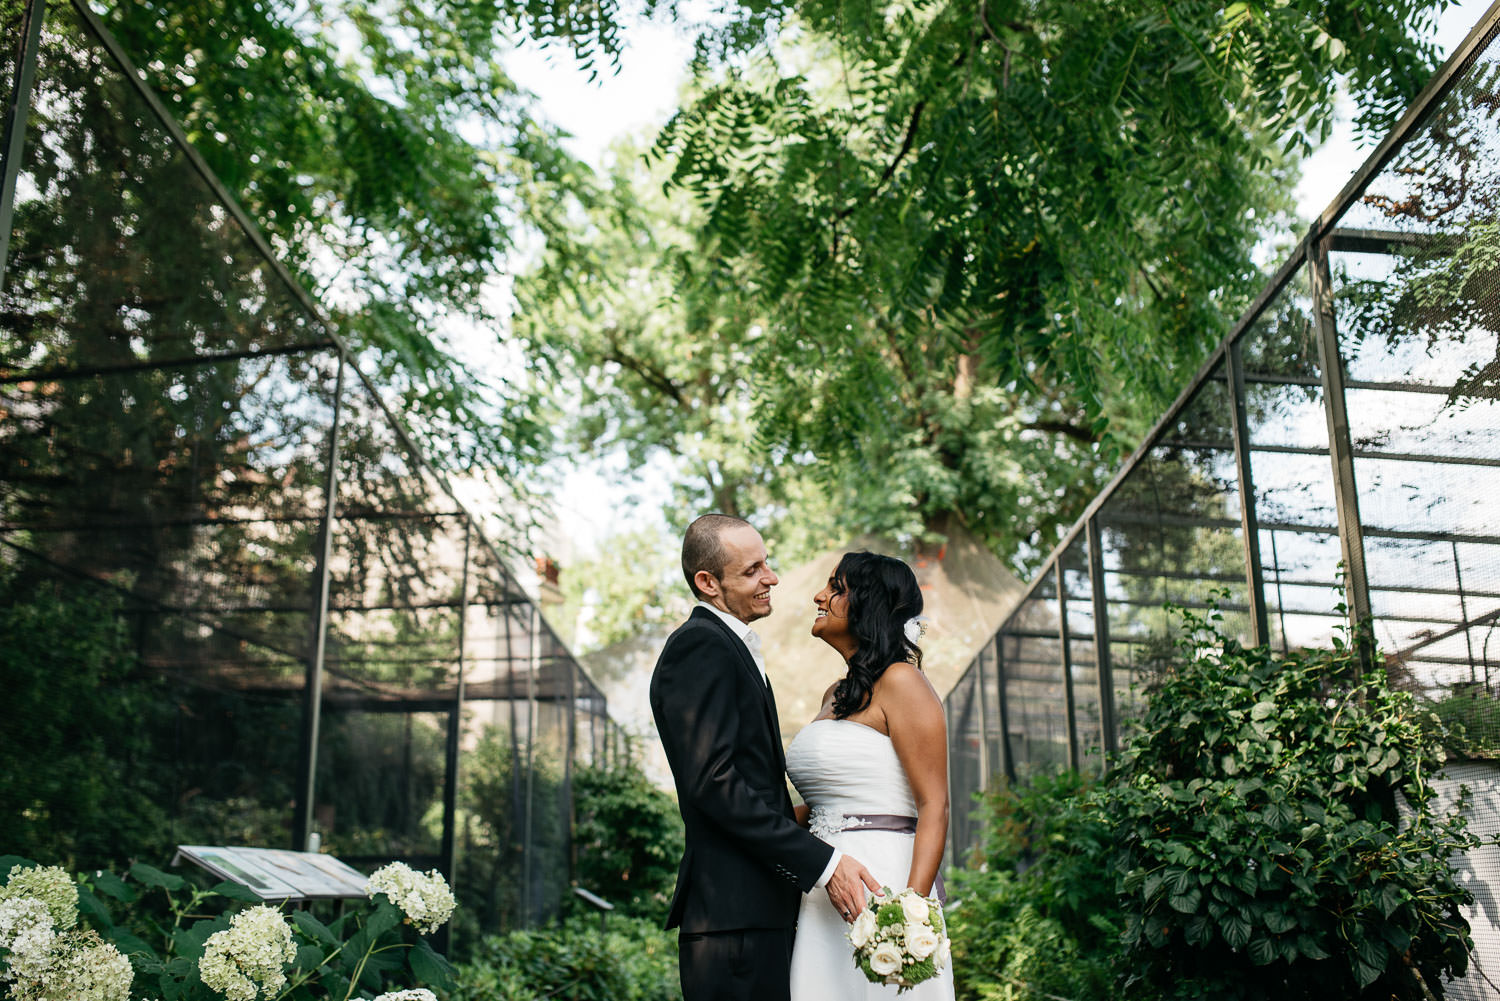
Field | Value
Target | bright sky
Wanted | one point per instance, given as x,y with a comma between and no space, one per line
639,97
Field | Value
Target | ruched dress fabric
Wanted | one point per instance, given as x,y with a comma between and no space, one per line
846,769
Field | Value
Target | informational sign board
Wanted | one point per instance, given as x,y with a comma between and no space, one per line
278,873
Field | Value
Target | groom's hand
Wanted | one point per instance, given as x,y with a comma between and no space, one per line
846,887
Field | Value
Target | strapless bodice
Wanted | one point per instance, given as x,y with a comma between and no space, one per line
843,768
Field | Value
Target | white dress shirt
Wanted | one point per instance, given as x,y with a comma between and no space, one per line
748,637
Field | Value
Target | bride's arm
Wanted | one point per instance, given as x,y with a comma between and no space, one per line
802,810
919,732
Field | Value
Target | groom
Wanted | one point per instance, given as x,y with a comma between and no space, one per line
747,861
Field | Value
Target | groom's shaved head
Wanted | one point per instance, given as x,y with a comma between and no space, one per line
703,547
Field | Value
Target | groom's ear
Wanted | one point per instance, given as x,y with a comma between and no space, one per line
708,584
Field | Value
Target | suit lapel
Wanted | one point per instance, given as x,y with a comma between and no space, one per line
747,663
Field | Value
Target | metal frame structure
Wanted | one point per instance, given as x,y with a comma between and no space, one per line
1116,592
516,658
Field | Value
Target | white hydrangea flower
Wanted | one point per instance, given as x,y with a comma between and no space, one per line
26,933
249,956
424,899
52,886
86,968
412,994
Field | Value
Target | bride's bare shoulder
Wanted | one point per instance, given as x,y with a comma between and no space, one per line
903,682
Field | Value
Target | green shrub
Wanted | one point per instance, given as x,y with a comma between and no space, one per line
1036,914
632,959
1262,853
627,840
77,778
1467,722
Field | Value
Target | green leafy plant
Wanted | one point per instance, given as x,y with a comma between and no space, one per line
632,959
627,839
187,942
1263,853
1467,722
1035,912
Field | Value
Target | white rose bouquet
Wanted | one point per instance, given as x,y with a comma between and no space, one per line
900,939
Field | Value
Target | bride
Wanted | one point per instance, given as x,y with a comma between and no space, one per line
872,768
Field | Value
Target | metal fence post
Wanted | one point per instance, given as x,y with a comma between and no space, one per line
312,689
455,724
14,142
1108,728
1070,710
1260,630
1340,449
1007,760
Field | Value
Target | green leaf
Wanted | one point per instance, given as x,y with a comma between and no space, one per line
131,944
1261,710
9,862
1262,951
386,917
111,885
431,968
152,876
1186,903
313,928
235,891
1236,930
1279,922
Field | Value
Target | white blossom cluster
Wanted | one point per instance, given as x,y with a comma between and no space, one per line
900,939
46,958
424,898
87,968
51,885
412,994
249,956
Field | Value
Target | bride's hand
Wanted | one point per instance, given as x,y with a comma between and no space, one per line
803,813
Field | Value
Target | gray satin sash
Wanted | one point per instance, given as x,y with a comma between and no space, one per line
896,824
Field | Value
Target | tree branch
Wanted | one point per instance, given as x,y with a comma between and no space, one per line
1083,434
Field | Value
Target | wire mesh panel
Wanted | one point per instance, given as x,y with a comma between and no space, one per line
170,409
1083,660
1036,719
1419,315
1292,471
168,400
1171,533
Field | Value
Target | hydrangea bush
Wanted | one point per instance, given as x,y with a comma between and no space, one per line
100,938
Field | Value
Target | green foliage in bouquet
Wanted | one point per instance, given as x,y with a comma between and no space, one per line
632,959
153,934
1262,850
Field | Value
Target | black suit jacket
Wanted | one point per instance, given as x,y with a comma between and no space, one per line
746,862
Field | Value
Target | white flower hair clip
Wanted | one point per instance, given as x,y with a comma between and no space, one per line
915,629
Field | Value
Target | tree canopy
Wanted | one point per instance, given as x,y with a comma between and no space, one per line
948,260
887,266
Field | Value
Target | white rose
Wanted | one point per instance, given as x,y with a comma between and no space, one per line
914,906
921,941
944,955
862,929
886,959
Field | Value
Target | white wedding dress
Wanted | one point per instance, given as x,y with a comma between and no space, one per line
844,769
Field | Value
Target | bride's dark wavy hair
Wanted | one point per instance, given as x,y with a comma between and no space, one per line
883,594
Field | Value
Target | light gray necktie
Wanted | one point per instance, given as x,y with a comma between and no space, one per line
752,643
